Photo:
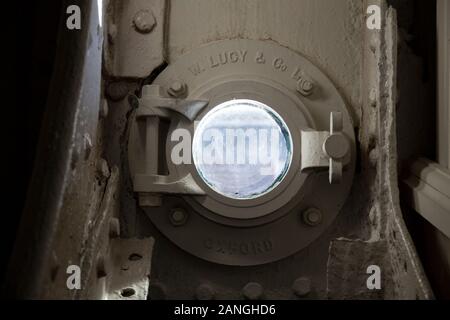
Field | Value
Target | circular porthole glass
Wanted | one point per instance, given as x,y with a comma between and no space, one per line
242,149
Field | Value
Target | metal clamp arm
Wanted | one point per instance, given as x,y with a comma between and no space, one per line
322,149
154,106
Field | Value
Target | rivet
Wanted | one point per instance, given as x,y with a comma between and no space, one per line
178,217
253,291
302,286
144,21
204,292
177,89
312,217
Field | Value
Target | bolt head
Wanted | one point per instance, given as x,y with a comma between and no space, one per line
253,291
305,87
177,89
178,217
302,286
144,21
312,217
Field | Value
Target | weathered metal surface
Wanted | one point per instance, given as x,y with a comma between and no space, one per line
136,37
347,274
402,274
408,278
79,206
64,192
131,263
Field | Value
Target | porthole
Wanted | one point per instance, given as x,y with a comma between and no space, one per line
242,149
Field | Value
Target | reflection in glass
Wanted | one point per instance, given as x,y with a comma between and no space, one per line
242,149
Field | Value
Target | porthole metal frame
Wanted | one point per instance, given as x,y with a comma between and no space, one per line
269,228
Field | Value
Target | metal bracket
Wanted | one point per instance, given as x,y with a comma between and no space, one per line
322,149
154,106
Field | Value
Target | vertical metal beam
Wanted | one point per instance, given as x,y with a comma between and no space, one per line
443,112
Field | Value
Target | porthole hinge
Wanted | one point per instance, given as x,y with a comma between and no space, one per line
154,106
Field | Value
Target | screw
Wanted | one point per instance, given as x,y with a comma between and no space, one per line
117,91
302,286
253,291
114,228
144,21
150,200
312,217
178,217
204,292
177,89
305,87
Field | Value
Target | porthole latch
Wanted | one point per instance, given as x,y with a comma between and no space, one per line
326,150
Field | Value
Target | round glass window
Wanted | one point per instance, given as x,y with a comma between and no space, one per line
242,149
